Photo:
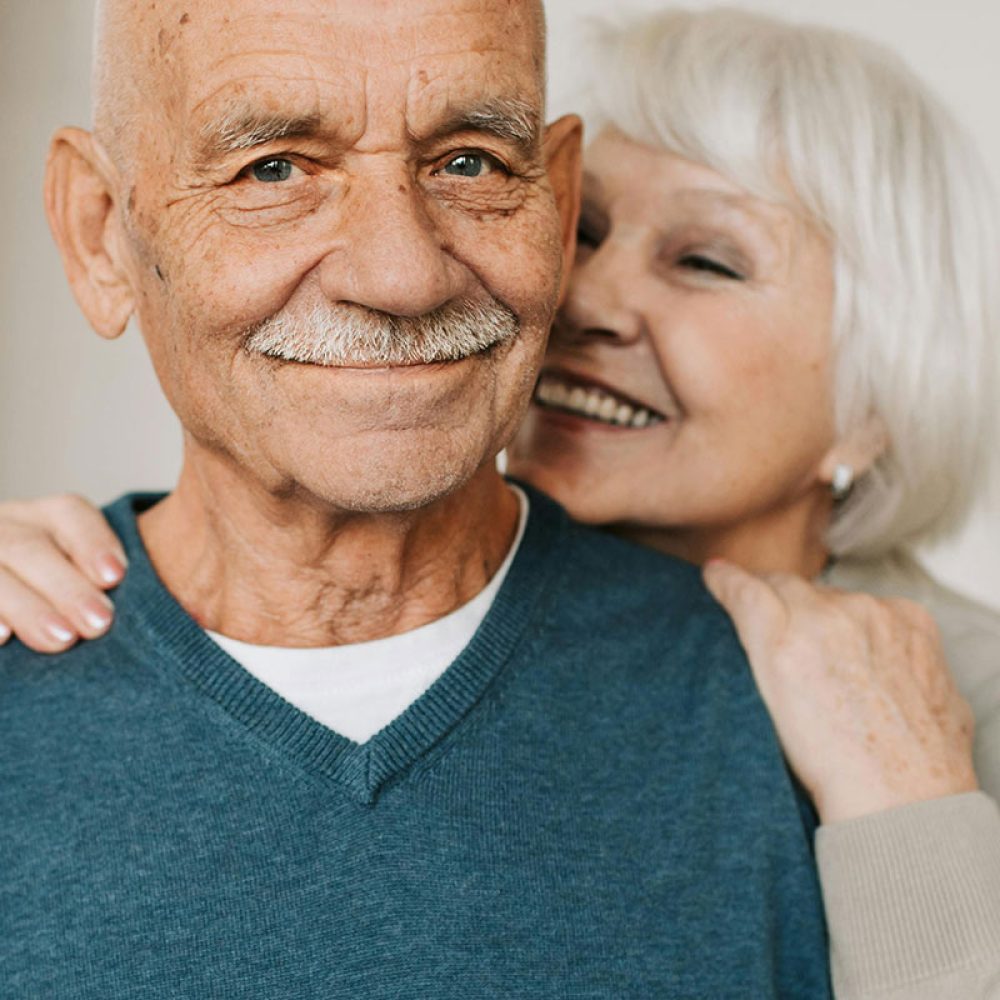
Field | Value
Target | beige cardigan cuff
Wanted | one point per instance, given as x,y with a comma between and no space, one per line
912,901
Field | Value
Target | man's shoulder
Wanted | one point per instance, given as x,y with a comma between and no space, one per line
26,669
97,665
625,613
619,581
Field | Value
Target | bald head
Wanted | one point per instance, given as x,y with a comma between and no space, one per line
136,61
125,77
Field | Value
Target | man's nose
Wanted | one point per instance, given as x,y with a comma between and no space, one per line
389,255
599,302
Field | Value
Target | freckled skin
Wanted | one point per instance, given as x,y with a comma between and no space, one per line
238,253
369,477
744,367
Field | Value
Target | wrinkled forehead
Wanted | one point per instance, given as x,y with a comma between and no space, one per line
387,64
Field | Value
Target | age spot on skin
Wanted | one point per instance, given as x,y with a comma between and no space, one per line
185,18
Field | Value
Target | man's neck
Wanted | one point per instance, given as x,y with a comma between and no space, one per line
271,570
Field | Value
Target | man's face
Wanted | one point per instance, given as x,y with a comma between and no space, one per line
324,159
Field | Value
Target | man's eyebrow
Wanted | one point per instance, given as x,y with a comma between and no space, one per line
504,118
245,128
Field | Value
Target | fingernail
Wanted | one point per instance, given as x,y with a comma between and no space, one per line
97,616
5,633
60,632
110,569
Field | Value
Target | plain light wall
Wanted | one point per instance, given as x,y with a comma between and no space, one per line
77,413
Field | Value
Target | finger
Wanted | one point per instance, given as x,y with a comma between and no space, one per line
916,616
798,593
85,536
752,602
31,618
36,562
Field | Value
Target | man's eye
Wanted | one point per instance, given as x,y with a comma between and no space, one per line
271,171
698,262
470,165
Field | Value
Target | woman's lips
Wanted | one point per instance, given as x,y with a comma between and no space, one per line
588,401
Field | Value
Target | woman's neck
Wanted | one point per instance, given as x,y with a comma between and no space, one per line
783,541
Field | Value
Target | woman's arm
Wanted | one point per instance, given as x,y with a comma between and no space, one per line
57,557
872,724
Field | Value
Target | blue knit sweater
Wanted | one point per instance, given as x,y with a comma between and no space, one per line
590,802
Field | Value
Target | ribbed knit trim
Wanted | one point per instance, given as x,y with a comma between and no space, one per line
911,894
180,643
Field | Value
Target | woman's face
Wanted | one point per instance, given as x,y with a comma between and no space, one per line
687,384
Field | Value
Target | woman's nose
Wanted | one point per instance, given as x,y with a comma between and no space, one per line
599,301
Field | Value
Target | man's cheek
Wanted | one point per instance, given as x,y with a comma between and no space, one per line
230,286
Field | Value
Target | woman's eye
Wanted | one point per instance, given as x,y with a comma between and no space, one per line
587,236
470,165
698,262
272,171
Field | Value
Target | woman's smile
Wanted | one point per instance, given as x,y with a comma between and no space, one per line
579,402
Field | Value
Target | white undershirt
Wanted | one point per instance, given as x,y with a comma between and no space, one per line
358,689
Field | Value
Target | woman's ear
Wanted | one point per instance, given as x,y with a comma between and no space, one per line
564,163
80,201
859,450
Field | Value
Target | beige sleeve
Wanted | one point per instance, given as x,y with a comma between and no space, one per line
912,901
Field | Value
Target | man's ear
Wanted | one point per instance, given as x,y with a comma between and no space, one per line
564,163
80,204
860,449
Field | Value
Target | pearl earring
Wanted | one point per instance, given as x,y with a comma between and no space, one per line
842,482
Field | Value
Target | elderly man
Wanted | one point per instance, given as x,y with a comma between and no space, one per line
372,723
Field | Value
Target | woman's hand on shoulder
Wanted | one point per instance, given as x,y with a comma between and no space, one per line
57,557
858,688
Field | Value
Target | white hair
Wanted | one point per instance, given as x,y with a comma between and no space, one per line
337,334
887,175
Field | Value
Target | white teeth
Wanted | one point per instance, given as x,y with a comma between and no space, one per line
598,404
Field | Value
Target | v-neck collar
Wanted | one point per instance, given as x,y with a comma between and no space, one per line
360,769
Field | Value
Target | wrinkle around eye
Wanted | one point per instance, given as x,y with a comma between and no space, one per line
265,205
708,265
481,203
500,192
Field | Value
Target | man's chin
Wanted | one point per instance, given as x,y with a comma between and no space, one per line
386,494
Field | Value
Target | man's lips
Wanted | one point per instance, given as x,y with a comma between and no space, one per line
357,365
590,401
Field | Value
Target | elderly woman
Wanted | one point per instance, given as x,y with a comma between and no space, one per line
778,352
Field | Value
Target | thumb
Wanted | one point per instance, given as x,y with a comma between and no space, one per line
752,603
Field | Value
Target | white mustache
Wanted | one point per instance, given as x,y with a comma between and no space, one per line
352,335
